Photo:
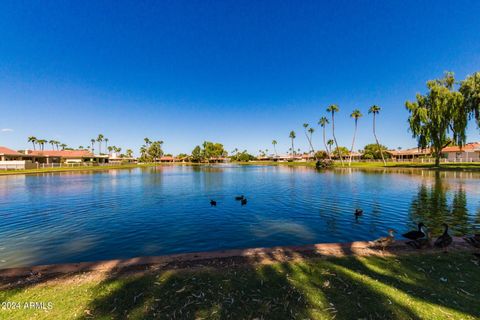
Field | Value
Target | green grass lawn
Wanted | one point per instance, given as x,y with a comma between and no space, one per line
415,286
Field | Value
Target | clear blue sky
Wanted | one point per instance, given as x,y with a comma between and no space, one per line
237,72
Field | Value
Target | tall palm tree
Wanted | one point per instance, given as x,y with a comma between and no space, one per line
52,142
330,143
33,140
106,143
376,110
42,142
99,140
356,114
305,126
323,123
274,143
57,143
311,131
92,141
292,136
332,109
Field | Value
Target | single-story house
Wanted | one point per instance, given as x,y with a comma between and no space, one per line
11,159
409,154
468,153
66,156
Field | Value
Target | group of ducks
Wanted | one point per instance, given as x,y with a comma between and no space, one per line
419,238
242,199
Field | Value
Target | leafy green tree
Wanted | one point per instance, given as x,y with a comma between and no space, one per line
376,110
372,151
155,150
332,109
438,116
356,114
197,154
470,89
341,152
212,150
292,136
323,123
244,156
33,140
321,155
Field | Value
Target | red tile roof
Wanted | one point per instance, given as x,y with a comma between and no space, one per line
7,151
61,153
468,147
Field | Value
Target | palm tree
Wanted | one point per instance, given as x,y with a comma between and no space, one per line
274,143
309,138
109,148
63,145
330,143
52,142
323,123
106,143
81,148
292,136
129,153
332,109
33,140
57,143
92,141
311,131
42,142
375,110
99,140
147,141
356,114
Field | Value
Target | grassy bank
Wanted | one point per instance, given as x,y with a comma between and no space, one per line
429,286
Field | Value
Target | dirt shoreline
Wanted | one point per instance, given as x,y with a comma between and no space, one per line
225,258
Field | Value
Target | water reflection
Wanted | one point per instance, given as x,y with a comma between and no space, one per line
431,207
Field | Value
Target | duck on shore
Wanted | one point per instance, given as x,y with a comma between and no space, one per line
425,242
444,240
415,234
384,242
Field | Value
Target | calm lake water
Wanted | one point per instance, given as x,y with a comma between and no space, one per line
72,217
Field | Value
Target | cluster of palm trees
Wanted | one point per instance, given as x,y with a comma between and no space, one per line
42,142
324,121
100,138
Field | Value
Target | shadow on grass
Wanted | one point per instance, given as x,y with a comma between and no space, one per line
292,285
